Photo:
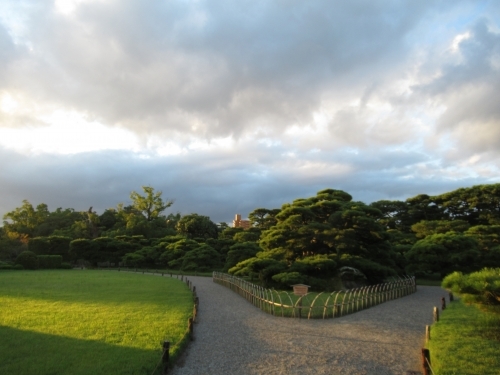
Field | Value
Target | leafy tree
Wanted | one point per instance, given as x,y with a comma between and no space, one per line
230,232
222,245
394,214
108,219
375,272
222,226
488,240
487,236
423,207
112,250
264,268
239,252
175,251
151,205
203,258
197,226
248,235
425,228
442,254
58,223
22,222
328,224
263,218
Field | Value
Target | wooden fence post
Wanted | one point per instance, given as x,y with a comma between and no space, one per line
166,355
436,314
443,303
427,333
426,360
190,328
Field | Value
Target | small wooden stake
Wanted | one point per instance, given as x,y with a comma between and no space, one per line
166,355
436,314
443,303
190,328
426,360
427,333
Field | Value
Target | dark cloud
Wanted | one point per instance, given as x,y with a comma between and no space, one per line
367,97
210,184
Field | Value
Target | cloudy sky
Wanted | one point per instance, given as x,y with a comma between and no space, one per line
228,106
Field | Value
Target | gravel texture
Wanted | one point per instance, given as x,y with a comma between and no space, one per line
234,337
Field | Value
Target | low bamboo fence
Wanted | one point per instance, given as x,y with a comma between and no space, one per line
317,305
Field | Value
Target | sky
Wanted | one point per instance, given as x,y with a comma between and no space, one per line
229,106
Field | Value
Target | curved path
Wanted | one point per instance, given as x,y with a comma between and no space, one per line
234,337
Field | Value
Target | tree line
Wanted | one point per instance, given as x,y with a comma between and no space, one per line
314,240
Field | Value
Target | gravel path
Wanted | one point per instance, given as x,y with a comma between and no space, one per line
234,337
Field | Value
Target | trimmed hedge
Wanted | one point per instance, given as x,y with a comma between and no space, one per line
49,261
51,245
28,260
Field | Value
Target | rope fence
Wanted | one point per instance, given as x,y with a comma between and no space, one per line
317,305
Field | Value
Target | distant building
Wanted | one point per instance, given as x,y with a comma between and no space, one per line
238,223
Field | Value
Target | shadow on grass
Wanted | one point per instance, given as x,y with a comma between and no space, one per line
26,352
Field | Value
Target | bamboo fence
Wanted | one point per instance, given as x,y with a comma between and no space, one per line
317,305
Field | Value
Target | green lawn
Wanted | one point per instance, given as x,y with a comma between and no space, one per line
466,341
88,322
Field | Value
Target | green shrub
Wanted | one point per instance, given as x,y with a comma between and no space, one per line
28,260
49,261
134,260
66,266
482,287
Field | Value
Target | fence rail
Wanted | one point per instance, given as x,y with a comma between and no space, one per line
317,305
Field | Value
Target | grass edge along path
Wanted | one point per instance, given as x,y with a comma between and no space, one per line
465,341
57,322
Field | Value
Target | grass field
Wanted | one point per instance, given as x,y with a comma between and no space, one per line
88,322
466,341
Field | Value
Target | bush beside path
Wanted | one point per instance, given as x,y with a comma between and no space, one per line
234,337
